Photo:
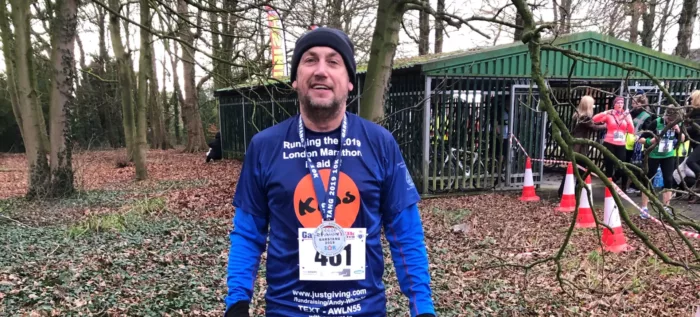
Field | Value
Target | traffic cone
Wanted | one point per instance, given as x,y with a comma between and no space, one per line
568,199
613,241
585,214
529,184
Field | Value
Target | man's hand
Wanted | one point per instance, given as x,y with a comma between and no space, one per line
239,309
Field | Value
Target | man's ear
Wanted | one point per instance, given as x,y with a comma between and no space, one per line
350,86
294,84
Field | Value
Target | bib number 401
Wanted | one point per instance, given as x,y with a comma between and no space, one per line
335,260
348,265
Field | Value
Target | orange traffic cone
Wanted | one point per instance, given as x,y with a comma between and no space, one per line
585,214
613,241
568,199
529,184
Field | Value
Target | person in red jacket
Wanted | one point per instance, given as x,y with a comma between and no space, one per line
618,123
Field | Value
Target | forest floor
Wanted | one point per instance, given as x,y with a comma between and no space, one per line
160,247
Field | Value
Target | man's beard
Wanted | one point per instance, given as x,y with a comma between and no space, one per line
320,113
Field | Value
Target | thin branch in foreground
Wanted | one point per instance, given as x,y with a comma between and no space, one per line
17,222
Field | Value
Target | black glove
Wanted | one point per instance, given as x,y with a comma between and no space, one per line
426,315
239,309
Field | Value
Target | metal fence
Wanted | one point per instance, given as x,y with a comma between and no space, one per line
248,111
459,144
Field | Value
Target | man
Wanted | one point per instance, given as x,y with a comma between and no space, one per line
324,261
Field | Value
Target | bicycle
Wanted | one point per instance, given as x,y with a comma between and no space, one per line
451,165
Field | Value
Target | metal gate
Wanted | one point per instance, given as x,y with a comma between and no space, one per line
462,133
528,126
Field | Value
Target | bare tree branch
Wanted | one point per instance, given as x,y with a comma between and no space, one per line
163,36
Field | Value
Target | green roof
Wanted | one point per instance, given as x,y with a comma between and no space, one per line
399,63
513,60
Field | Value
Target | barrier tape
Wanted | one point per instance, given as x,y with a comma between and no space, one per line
628,199
617,189
550,161
512,137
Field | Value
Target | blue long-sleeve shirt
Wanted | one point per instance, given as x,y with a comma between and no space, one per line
404,231
275,197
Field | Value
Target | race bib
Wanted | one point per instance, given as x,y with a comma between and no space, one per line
618,136
665,145
346,266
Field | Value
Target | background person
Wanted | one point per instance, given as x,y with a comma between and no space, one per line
581,127
215,148
618,125
693,160
640,114
662,155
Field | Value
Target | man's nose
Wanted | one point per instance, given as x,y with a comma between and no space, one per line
321,69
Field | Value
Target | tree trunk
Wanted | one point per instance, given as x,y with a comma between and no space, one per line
565,17
43,132
190,108
157,125
222,46
102,43
439,27
648,23
663,24
8,53
176,115
685,27
335,16
424,33
555,11
635,12
384,41
142,104
313,14
228,42
216,44
63,58
126,85
39,173
106,112
177,93
518,33
166,112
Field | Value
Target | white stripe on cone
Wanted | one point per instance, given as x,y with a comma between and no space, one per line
528,178
583,200
569,187
612,214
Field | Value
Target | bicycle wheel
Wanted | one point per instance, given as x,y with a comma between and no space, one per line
445,171
449,175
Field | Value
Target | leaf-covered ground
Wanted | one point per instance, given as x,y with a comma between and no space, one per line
160,247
